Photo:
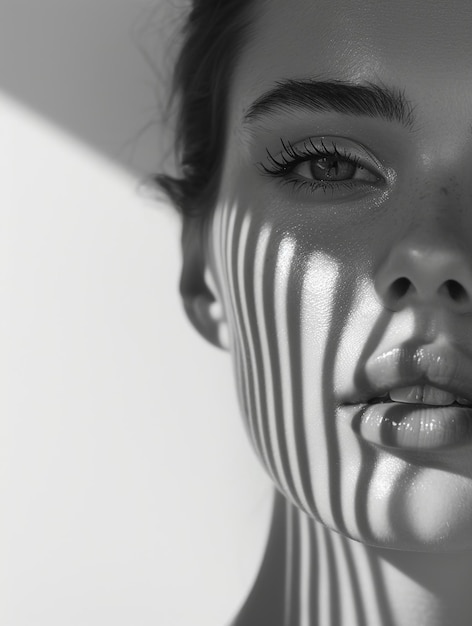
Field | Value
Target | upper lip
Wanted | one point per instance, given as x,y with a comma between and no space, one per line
441,367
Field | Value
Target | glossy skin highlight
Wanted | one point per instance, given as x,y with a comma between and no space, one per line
306,276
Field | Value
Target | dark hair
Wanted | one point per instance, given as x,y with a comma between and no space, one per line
212,37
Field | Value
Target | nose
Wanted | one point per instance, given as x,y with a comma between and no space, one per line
417,272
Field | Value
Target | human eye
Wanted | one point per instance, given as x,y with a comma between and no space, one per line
324,164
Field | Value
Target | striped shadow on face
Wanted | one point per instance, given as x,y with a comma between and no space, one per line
279,304
289,309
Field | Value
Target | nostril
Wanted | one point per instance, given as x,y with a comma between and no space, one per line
455,291
399,287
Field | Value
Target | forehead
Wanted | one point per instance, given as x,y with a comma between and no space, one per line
418,46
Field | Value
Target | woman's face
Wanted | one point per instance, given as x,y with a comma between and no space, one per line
341,248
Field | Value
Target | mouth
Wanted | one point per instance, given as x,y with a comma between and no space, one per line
422,375
417,399
419,394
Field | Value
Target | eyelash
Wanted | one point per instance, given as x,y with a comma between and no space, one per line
292,156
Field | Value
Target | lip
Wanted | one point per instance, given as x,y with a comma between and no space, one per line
444,368
414,426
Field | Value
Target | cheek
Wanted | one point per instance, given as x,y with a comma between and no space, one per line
285,308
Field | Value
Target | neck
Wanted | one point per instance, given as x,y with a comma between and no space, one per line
312,576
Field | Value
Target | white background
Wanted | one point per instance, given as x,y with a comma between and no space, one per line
129,494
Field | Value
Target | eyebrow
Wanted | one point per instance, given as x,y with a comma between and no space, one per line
369,99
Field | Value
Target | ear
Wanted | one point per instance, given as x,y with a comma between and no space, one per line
201,299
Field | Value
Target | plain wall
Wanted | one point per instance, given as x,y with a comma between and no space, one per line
98,69
129,493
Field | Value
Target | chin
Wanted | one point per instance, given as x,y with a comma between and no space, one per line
421,536
431,513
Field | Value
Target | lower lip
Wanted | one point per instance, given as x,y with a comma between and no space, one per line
415,426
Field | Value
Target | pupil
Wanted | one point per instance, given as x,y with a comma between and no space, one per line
332,168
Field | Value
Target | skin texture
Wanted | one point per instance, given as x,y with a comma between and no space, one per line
300,286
